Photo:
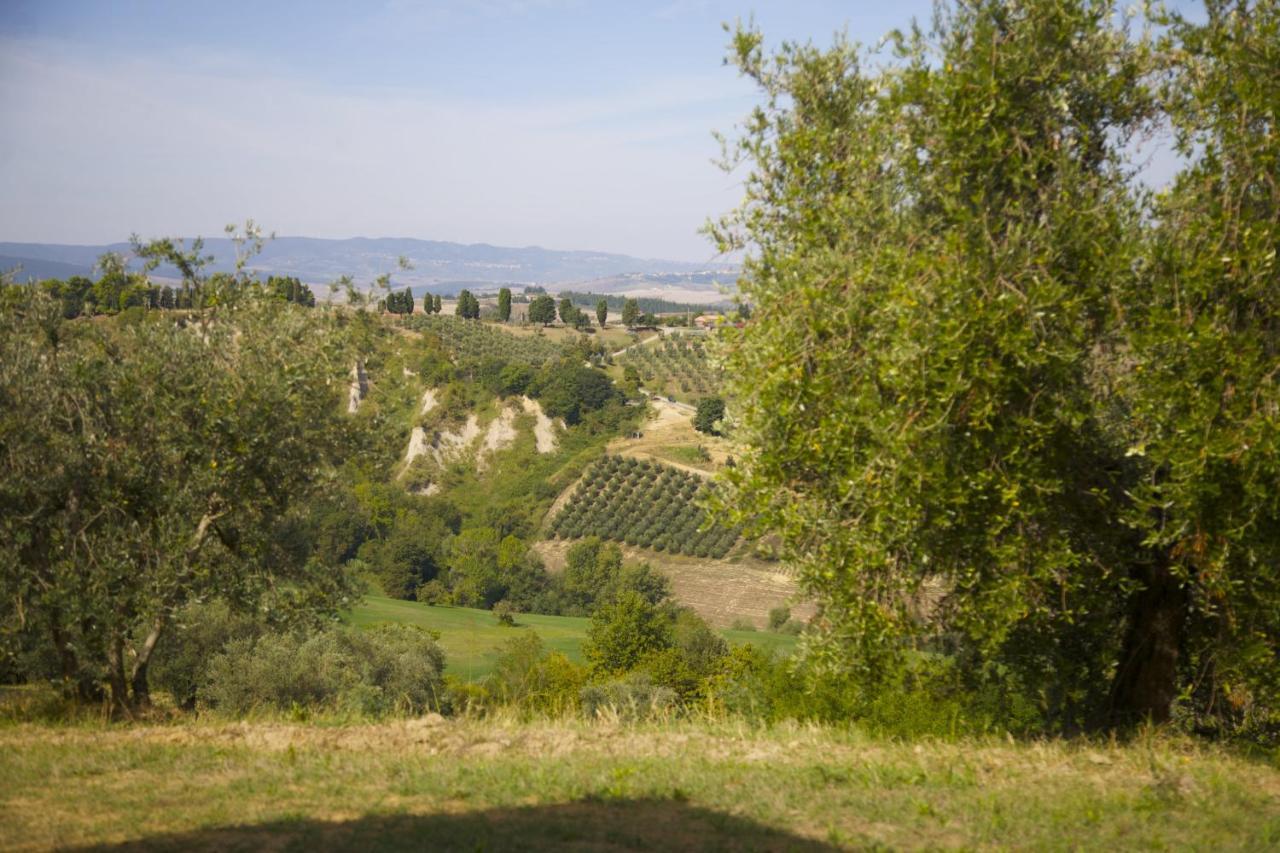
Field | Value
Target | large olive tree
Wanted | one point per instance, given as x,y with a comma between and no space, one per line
998,405
150,464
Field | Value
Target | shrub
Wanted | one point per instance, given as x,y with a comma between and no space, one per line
389,669
621,633
634,696
778,617
200,632
505,613
433,592
527,676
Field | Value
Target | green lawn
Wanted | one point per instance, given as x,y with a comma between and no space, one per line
469,637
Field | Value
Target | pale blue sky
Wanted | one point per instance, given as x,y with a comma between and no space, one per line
561,123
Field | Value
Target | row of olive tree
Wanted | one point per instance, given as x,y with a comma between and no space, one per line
1003,401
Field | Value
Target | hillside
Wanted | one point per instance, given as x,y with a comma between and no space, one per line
35,269
439,266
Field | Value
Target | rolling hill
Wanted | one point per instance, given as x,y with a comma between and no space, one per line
439,266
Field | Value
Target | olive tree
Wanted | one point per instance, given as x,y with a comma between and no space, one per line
148,465
999,404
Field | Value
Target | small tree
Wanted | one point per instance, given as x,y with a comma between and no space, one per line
568,313
505,613
630,312
602,311
463,308
710,412
504,304
542,310
622,633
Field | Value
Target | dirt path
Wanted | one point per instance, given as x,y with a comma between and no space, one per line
670,426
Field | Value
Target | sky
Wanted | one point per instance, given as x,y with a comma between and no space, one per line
566,124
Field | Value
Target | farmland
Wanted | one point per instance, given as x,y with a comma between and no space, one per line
476,341
675,366
644,504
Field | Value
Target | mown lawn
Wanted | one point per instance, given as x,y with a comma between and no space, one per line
444,784
470,638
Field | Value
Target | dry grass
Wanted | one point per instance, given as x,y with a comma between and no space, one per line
502,784
667,431
721,591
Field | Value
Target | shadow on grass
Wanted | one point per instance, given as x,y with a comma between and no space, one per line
580,826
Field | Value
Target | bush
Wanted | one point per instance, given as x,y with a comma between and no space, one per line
505,613
389,669
201,631
634,696
778,617
622,633
527,676
433,592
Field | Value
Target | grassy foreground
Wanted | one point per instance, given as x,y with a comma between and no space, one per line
470,638
503,785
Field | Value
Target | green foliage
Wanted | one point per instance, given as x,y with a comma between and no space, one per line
123,498
630,313
285,287
602,311
595,575
644,504
542,310
472,343
568,312
568,390
675,365
1000,402
709,413
649,305
528,676
400,303
505,613
468,307
375,672
504,304
408,550
200,632
622,632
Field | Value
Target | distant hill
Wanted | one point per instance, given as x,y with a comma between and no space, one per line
438,266
28,269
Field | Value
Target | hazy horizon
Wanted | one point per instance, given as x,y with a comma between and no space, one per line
564,125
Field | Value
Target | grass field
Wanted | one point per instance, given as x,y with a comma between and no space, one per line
496,784
470,637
